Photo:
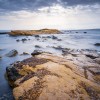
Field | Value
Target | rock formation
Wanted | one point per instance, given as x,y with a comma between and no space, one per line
49,77
34,32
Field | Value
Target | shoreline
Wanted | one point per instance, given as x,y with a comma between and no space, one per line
55,68
79,57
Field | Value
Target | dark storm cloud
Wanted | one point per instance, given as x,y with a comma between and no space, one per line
16,5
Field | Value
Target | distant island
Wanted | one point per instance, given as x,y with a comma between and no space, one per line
34,32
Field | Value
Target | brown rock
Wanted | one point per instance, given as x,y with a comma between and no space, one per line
34,32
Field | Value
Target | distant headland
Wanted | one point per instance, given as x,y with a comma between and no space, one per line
34,32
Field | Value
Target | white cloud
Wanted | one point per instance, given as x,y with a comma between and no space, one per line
55,16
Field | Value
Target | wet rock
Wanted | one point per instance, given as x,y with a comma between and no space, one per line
97,44
37,46
59,39
36,52
25,53
37,36
66,51
54,37
48,36
91,56
95,70
18,40
12,74
23,40
12,53
0,57
97,60
58,47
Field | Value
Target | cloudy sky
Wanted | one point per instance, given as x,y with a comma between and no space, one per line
60,14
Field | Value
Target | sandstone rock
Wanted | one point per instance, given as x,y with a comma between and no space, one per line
34,32
50,77
12,53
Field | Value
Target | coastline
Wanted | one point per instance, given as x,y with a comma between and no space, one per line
55,74
81,58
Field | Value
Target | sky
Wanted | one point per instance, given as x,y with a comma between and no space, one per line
56,14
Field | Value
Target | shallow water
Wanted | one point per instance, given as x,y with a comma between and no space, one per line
70,39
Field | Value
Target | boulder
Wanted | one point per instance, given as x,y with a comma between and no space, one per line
23,40
25,53
36,52
18,40
59,39
58,47
37,36
37,46
97,44
12,53
54,37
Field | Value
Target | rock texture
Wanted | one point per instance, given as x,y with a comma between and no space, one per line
34,32
49,77
12,53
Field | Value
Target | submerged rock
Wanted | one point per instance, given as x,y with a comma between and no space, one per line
85,32
25,53
59,39
0,57
37,46
18,40
58,47
54,37
37,36
23,40
12,53
97,44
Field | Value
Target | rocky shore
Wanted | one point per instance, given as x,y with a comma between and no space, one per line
34,32
73,76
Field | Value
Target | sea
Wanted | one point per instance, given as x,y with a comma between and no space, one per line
73,39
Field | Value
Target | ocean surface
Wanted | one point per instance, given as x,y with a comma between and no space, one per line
74,39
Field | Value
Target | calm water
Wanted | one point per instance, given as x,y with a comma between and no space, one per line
70,39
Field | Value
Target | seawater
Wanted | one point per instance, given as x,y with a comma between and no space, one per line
74,39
